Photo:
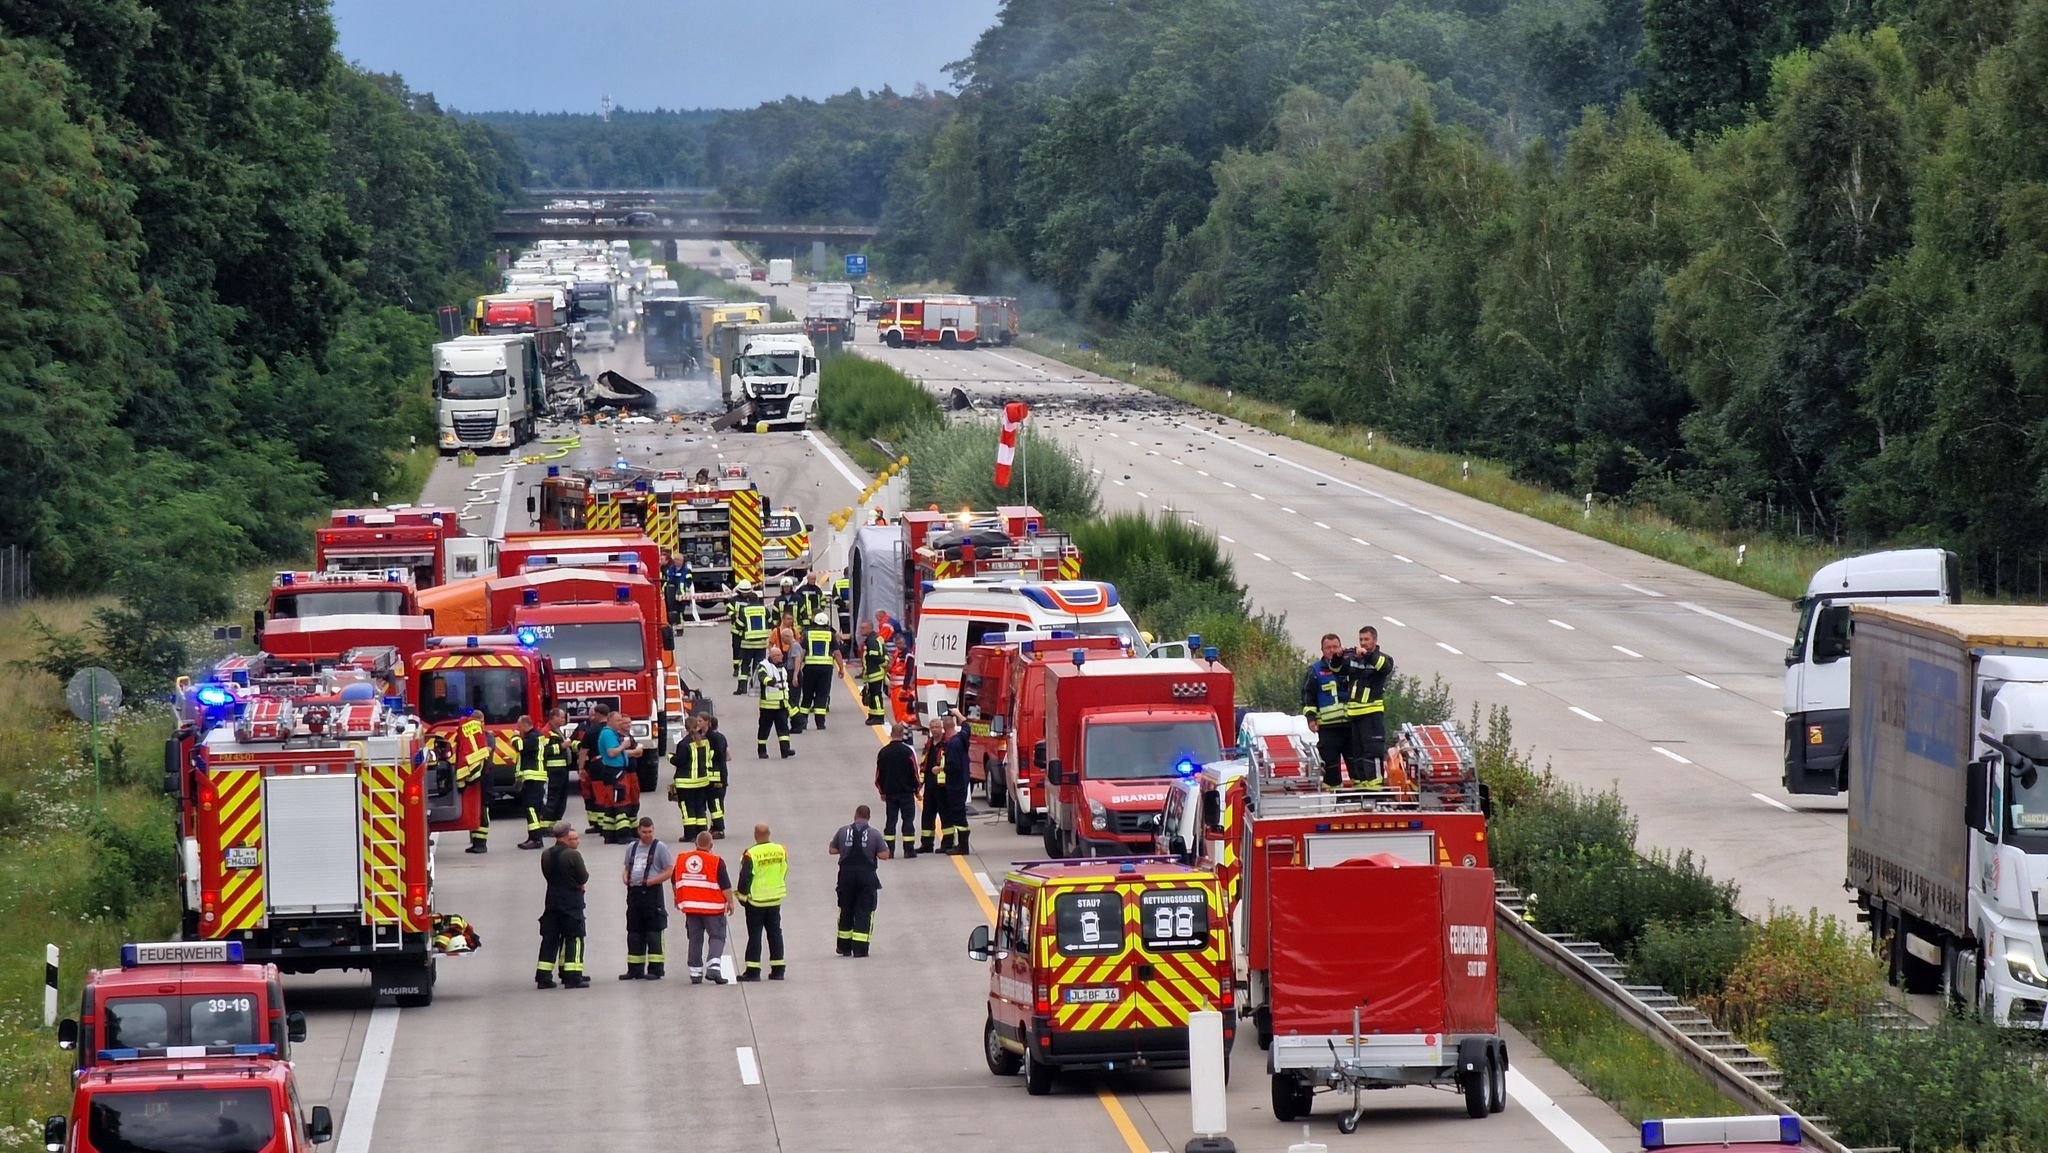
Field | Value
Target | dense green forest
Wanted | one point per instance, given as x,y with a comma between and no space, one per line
220,248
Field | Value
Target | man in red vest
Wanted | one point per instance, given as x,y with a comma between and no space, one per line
704,896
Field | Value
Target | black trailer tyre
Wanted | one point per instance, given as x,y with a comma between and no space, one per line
1475,1086
1347,1124
1037,1074
1288,1097
1500,1077
1001,1061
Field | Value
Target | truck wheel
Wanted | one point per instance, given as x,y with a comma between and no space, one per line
949,340
1037,1074
1262,1025
420,1000
894,339
1293,1098
1052,840
1001,1061
1020,821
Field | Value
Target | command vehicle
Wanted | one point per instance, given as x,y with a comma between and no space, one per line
1117,734
489,391
1098,965
891,564
426,542
1817,663
222,1099
305,832
717,521
929,322
173,994
1765,1133
1411,858
503,677
785,544
1948,809
1002,703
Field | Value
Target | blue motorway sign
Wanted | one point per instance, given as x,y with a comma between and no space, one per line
856,266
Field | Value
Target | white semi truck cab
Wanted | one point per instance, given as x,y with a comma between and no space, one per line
775,375
488,392
1817,664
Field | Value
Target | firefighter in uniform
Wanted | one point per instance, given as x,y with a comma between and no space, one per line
561,918
774,693
587,735
750,625
676,585
931,823
764,881
858,847
1370,670
693,787
842,607
554,761
874,674
721,765
953,756
896,783
819,641
810,598
532,776
472,770
1323,702
738,628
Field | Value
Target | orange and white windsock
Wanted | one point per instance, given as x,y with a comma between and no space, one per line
1006,447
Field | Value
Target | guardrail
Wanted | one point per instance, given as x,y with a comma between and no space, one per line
1684,1031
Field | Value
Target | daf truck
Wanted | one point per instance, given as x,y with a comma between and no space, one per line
1817,664
1948,805
488,392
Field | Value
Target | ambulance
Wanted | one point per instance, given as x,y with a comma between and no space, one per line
956,614
1098,964
175,994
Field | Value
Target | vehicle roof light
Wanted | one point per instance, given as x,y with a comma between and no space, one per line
528,638
623,593
284,578
1080,657
180,953
214,696
1194,642
530,596
175,1051
1209,654
1781,1129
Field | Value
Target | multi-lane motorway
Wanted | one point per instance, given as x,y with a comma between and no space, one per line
881,1053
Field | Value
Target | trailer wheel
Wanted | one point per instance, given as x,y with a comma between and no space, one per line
1476,1086
1500,1078
1347,1124
1001,1061
1293,1098
1037,1074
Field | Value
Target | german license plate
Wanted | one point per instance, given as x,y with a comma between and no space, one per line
1095,996
243,858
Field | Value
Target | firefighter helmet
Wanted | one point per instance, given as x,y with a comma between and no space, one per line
821,620
744,587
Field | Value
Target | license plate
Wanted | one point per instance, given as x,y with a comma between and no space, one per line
1107,996
244,858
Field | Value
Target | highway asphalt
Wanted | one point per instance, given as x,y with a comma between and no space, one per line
849,1055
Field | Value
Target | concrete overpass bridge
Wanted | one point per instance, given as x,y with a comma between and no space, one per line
520,230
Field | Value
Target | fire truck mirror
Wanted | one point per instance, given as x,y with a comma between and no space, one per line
532,505
978,943
67,1034
53,1134
1212,811
668,638
1485,801
256,620
174,766
1038,755
1055,773
320,1126
295,1026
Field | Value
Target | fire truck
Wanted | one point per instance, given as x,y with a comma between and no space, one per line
238,1098
1118,733
996,319
311,595
1411,858
718,522
426,542
929,322
623,561
1002,701
601,632
172,994
304,832
502,677
892,564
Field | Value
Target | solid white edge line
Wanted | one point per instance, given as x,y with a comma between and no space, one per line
1562,1125
1774,803
1513,680
359,1121
1627,652
750,1069
1669,753
832,458
1701,681
1587,715
1642,590
1725,619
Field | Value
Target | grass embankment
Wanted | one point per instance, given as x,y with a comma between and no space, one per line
1773,565
861,400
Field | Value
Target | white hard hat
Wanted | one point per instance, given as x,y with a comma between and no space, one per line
787,581
743,586
821,619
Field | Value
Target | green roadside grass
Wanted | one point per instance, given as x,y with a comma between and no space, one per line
1770,564
1617,1064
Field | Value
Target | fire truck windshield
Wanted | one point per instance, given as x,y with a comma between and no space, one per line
1132,750
470,386
497,693
597,645
170,1019
339,602
195,1120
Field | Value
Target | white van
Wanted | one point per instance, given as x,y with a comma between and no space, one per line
955,614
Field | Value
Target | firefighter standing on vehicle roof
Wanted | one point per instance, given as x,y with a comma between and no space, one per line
953,754
1323,702
561,918
858,847
554,760
704,897
694,785
819,641
874,674
472,770
649,865
532,776
774,703
588,768
931,823
764,881
1370,670
896,780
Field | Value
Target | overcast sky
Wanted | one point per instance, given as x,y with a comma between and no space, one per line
529,55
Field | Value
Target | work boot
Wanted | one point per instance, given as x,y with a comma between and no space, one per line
717,978
876,721
543,982
788,753
821,722
530,843
749,975
589,829
777,974
963,850
575,981
477,847
633,973
923,846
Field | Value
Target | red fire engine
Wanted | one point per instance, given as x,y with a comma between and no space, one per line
238,1097
1002,698
171,994
891,563
718,522
930,322
425,542
500,677
1412,857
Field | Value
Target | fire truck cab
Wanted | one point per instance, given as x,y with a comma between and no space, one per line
1002,703
224,1099
718,521
1098,965
387,592
503,677
177,995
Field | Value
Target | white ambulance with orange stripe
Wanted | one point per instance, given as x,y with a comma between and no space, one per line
1098,964
305,832
955,615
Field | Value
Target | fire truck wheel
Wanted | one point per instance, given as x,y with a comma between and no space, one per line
420,1000
1001,1061
1053,845
1262,1024
1293,1098
1037,1074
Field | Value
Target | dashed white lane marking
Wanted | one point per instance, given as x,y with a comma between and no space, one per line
1256,496
750,1070
359,1123
1450,578
1667,752
1628,652
1263,557
1402,559
1587,715
1346,598
1745,626
1513,680
1119,481
1701,681
1774,803
1226,539
1449,649
1144,496
1396,622
1366,543
1503,600
1301,574
1288,511
1227,484
1562,625
1203,471
1642,590
1320,525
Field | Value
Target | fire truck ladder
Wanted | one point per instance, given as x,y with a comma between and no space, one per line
383,855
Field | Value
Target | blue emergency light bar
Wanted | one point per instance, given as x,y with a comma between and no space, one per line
285,579
214,696
1764,1129
1209,654
554,470
176,1051
528,638
1080,657
180,953
530,596
1187,767
623,593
